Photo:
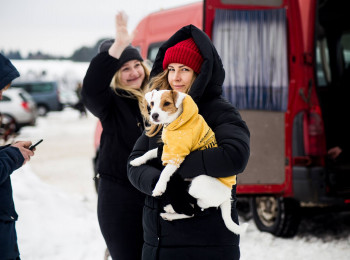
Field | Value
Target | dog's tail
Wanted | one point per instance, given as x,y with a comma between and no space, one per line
230,224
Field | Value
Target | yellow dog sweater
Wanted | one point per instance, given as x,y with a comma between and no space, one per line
188,133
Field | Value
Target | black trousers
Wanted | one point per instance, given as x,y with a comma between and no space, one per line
8,241
119,210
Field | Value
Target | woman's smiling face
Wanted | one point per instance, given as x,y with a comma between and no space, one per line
132,74
180,77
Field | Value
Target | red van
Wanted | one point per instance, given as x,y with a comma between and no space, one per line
287,66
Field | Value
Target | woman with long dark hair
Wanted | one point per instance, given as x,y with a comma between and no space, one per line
188,62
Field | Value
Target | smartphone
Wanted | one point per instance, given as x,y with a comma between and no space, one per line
34,145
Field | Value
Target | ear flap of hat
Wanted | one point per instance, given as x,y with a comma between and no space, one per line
178,97
149,95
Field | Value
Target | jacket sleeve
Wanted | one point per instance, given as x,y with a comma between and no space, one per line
232,154
143,177
10,160
96,91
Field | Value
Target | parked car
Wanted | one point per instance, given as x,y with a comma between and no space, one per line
19,107
44,93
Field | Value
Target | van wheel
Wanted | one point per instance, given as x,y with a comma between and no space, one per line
42,110
276,215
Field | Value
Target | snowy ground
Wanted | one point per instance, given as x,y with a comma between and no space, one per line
54,193
56,202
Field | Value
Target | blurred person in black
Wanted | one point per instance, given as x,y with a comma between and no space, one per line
12,157
80,105
339,127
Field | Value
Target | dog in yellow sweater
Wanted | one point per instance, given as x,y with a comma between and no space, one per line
184,131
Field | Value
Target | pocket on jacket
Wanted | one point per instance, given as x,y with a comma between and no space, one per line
8,216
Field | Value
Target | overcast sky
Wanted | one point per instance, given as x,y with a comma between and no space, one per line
60,27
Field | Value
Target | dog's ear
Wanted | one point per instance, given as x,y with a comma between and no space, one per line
178,97
149,95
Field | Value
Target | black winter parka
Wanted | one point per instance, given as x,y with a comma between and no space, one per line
10,160
204,236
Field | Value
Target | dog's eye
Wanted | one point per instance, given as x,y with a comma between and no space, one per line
152,104
166,104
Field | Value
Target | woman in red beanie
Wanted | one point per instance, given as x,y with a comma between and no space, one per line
188,62
117,107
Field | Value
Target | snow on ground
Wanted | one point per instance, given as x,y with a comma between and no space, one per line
56,202
53,224
54,193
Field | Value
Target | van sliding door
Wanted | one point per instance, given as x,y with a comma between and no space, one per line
253,48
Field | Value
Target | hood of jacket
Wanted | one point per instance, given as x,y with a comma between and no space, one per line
208,83
8,72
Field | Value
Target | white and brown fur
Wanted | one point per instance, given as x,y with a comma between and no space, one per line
166,106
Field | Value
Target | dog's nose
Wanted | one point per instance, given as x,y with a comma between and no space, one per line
155,116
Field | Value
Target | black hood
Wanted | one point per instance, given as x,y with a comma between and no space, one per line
8,72
211,77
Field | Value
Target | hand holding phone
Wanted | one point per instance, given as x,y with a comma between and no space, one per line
34,145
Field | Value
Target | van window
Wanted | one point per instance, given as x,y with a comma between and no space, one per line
39,88
253,47
345,43
254,2
324,76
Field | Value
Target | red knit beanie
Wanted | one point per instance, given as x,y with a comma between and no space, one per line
185,52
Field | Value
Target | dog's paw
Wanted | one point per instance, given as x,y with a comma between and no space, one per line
169,209
239,229
174,216
166,216
159,189
156,193
243,227
137,162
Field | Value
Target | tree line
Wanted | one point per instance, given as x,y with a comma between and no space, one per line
83,54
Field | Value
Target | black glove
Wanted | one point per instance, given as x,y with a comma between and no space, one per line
177,195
